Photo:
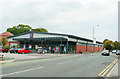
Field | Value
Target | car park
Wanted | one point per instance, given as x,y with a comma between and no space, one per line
114,51
106,52
118,52
23,51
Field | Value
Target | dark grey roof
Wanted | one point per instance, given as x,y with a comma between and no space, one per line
71,36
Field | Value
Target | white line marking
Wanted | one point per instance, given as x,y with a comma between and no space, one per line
22,71
64,62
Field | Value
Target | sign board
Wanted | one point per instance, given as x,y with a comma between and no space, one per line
30,46
36,46
14,45
31,35
24,46
57,48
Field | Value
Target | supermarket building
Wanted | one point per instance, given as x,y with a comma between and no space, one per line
62,43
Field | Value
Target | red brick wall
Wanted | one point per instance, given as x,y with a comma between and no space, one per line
100,48
80,48
89,49
96,49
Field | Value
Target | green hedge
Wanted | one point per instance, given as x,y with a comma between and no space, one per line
6,47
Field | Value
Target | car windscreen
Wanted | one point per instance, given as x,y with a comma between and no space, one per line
118,51
27,49
114,51
105,50
19,49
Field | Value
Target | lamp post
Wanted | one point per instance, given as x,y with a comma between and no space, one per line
94,39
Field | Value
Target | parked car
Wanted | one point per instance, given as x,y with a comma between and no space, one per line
106,52
23,51
118,52
3,49
114,51
12,50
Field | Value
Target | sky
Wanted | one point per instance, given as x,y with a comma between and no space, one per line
75,17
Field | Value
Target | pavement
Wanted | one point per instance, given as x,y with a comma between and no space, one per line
115,70
21,57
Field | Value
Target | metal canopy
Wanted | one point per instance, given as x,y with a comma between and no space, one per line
42,39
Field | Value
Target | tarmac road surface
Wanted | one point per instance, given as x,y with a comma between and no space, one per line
78,65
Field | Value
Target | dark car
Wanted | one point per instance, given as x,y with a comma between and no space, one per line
106,52
13,50
118,52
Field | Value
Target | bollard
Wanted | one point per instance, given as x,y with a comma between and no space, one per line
1,58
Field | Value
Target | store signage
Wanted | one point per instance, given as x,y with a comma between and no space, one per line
36,46
14,45
57,48
31,35
24,46
30,46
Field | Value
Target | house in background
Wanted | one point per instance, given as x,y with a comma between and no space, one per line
5,35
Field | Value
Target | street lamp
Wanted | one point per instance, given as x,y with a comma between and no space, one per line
94,39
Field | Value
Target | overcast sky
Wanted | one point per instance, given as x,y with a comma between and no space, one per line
76,17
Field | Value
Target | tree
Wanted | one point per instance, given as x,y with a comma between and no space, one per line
105,40
39,30
0,42
19,29
109,45
118,45
24,28
4,41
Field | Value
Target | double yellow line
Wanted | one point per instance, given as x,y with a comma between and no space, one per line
103,73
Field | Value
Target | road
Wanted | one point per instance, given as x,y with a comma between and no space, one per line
68,66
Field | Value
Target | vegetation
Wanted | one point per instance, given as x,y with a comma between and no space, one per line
39,30
0,42
6,47
110,45
24,28
3,41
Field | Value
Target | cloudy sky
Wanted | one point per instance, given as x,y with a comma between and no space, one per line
76,17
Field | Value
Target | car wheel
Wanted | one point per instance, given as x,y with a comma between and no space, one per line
22,52
7,51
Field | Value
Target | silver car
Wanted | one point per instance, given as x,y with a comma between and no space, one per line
118,52
114,51
106,52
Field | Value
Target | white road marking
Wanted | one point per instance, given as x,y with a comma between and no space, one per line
22,71
64,62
